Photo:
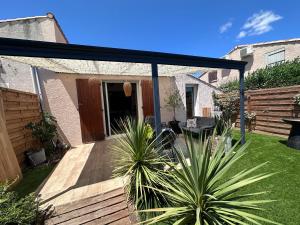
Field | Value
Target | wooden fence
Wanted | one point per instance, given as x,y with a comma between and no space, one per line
9,166
20,108
270,106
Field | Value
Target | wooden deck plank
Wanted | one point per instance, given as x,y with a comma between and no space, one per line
114,218
86,210
94,215
123,221
89,201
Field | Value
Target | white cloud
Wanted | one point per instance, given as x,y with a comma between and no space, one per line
259,23
225,27
242,34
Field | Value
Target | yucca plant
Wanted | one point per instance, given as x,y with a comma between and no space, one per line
138,157
201,192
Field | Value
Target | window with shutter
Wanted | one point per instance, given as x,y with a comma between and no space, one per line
275,57
212,76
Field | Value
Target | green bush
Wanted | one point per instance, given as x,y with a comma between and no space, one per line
44,130
138,156
201,193
281,75
230,86
14,210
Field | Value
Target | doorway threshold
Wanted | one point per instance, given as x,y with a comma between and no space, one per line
114,136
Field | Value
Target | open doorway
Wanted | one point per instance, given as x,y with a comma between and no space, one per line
190,101
118,106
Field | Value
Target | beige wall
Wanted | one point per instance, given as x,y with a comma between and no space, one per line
17,75
258,60
60,98
203,95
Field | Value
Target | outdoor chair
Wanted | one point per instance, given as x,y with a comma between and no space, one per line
204,127
167,134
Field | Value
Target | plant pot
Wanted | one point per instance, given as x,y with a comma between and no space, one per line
174,124
36,157
228,143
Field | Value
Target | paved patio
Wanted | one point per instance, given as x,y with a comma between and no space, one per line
84,171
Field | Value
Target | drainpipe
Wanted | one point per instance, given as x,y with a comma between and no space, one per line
37,86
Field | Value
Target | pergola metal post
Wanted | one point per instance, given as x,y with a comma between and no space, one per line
242,106
156,98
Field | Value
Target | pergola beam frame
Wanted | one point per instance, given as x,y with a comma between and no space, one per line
28,48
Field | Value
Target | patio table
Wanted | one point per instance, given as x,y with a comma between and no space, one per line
294,136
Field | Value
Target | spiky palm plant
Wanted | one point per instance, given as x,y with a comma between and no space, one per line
139,158
201,193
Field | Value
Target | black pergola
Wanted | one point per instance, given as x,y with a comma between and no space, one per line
27,48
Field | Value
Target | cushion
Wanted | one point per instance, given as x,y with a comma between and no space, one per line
191,123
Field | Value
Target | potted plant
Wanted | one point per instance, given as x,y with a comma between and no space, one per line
297,105
228,104
250,117
173,102
44,130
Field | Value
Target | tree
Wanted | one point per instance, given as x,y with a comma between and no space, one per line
173,101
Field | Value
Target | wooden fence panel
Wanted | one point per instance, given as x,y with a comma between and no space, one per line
9,166
20,108
270,106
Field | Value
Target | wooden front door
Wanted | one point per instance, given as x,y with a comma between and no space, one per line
147,96
90,110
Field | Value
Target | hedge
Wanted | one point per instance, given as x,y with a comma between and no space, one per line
281,75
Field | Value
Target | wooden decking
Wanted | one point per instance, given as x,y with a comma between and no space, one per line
107,208
83,172
81,191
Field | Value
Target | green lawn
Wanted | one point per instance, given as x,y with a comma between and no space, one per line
284,186
32,178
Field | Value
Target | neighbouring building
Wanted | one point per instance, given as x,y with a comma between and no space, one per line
87,97
259,55
17,75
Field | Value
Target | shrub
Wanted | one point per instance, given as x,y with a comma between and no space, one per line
173,102
14,210
44,130
280,75
201,193
228,104
230,86
138,157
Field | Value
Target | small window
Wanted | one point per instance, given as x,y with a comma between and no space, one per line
212,76
225,72
275,57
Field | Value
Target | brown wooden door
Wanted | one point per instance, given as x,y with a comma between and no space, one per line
90,110
147,96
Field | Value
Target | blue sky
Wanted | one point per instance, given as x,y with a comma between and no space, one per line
196,27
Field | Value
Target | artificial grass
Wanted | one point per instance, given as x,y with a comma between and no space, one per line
283,186
32,178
